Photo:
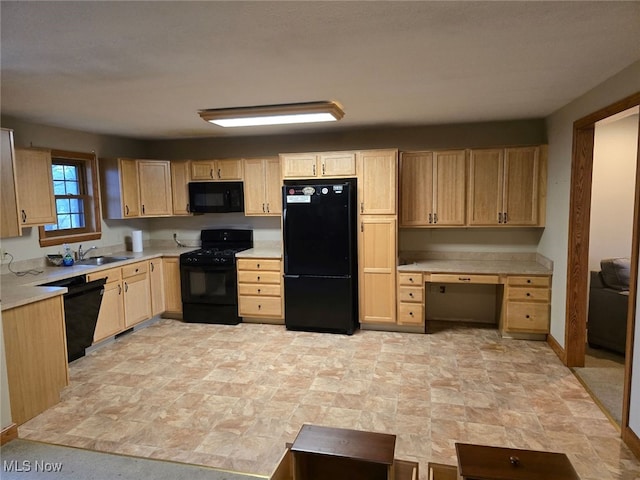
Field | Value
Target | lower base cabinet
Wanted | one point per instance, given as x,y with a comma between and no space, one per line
111,316
36,356
172,291
260,289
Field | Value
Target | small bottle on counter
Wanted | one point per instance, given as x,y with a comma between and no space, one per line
67,256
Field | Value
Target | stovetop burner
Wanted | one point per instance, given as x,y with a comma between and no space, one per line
219,247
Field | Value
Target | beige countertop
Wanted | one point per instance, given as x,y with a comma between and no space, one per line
494,267
16,291
262,250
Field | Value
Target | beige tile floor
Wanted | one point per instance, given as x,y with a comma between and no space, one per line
231,396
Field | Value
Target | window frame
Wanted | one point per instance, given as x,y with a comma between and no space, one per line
92,230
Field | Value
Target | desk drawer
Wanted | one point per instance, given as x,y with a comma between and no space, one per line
259,306
464,278
527,294
258,264
529,317
410,314
259,277
259,290
530,281
410,279
410,294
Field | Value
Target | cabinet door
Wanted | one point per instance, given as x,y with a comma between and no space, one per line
9,223
416,189
111,316
273,186
180,187
377,246
129,187
137,300
35,187
156,280
203,170
154,177
172,292
228,169
303,165
341,164
486,178
449,187
377,181
521,186
254,187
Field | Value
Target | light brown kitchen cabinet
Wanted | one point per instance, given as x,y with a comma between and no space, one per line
9,223
506,186
137,294
119,188
154,179
34,182
156,281
377,259
432,188
36,356
222,169
262,187
260,288
111,316
377,182
172,291
318,165
180,176
526,305
411,299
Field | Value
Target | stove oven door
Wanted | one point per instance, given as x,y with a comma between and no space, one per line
210,285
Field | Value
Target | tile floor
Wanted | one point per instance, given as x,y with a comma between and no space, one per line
231,396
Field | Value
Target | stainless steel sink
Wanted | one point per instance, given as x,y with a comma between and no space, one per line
93,261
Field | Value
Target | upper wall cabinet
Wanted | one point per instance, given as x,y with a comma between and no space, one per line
214,170
262,187
314,165
9,223
507,187
180,176
135,188
377,182
34,182
432,188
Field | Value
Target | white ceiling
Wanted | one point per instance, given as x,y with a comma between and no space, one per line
144,69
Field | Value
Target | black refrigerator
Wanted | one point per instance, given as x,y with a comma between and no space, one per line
320,256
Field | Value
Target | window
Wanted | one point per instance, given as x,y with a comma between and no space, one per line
76,196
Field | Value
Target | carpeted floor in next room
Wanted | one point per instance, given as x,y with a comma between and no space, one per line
229,397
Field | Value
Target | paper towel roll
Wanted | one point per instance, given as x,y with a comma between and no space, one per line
136,240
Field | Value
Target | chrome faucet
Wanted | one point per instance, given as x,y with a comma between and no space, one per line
82,253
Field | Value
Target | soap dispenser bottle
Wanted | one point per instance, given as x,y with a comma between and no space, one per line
67,256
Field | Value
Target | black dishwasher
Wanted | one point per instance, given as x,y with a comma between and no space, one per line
81,308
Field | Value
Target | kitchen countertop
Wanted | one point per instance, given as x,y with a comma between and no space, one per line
262,250
17,291
493,267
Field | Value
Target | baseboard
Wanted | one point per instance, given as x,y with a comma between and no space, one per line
558,350
632,441
9,433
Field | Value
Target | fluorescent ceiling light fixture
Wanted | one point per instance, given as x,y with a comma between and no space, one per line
308,112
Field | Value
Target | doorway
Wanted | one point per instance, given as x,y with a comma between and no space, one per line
579,230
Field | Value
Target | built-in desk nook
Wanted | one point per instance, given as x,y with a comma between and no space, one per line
519,289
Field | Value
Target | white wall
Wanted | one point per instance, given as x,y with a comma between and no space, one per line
613,189
554,240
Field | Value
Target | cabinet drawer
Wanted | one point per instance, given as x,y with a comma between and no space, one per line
135,269
532,281
410,294
410,278
259,306
112,275
527,317
258,264
266,290
259,277
464,278
410,314
529,294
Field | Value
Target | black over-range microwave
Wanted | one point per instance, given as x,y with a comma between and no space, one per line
216,197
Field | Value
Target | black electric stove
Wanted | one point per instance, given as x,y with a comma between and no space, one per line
208,277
